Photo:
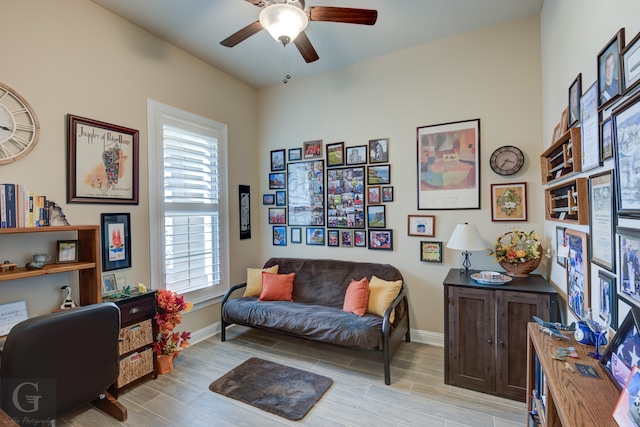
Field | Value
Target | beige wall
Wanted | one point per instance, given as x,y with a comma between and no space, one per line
492,74
73,57
572,34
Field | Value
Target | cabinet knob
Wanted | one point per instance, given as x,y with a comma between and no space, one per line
501,342
134,310
489,340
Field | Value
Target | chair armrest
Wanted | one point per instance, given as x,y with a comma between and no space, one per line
231,290
387,314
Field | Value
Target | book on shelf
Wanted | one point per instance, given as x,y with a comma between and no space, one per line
20,207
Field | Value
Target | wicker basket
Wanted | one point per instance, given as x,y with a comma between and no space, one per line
521,269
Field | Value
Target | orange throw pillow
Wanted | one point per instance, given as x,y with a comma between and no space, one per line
277,287
357,297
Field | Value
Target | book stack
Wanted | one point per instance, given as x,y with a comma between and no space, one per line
22,208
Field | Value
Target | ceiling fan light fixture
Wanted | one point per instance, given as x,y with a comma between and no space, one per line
283,21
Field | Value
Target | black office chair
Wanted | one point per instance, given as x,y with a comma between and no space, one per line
61,361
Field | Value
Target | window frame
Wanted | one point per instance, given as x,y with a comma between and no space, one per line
156,113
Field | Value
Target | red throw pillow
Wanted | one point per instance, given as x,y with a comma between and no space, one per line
357,297
277,287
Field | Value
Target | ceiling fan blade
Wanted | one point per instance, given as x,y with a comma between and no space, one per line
255,2
343,14
242,34
306,49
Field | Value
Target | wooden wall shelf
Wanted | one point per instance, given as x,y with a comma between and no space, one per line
568,202
563,158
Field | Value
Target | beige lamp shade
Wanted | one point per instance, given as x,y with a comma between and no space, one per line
465,237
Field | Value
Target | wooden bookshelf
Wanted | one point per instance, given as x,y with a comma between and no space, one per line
568,202
563,158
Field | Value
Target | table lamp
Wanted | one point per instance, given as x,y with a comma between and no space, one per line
465,237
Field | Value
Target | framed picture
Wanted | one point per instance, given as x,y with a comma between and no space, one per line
620,356
378,175
335,154
345,197
333,238
346,239
626,412
627,149
109,284
376,216
116,241
606,139
575,92
360,238
449,165
373,195
268,199
607,291
564,121
556,133
630,61
244,196
277,181
281,198
603,221
67,251
509,202
381,239
315,236
561,242
305,181
421,225
590,128
296,235
312,149
295,154
379,150
578,294
277,215
431,251
609,74
279,235
387,194
628,253
102,162
277,160
357,155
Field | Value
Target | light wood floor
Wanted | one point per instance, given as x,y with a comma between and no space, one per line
417,395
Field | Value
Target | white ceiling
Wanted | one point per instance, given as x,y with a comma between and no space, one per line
198,26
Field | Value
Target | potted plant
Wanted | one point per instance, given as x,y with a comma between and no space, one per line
518,252
169,309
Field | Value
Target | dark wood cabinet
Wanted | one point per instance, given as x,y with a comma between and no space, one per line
486,331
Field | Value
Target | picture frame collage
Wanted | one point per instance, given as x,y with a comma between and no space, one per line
349,212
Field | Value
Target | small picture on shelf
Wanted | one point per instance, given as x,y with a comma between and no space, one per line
67,251
627,410
109,284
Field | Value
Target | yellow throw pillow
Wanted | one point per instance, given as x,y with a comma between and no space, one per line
254,280
381,295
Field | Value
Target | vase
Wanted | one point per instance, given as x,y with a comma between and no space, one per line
520,269
165,363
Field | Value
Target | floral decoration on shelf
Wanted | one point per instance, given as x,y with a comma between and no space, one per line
517,246
170,306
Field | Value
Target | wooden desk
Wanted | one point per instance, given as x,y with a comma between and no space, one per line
572,399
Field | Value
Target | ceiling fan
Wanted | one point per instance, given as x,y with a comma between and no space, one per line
286,20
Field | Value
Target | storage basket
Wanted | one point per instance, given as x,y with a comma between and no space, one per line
135,366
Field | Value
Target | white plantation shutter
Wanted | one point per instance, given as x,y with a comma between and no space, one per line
190,160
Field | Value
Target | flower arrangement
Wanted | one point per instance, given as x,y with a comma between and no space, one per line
517,246
169,314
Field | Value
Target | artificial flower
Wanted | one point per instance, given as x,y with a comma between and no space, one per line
169,309
517,246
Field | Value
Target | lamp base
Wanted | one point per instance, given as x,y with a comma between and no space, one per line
466,264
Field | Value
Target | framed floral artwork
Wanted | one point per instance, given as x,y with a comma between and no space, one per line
509,202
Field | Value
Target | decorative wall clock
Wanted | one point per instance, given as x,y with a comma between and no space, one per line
507,160
19,126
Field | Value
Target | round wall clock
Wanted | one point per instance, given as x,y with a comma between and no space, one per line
19,126
507,160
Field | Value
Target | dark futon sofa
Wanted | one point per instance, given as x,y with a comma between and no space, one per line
316,312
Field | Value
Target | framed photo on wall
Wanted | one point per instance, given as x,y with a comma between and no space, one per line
602,224
305,182
431,251
630,62
346,239
277,160
295,154
590,129
378,175
296,235
379,150
629,262
315,236
333,238
102,162
312,149
381,239
449,165
509,202
627,149
277,181
575,92
360,238
279,235
606,139
608,290
244,196
116,241
609,74
335,154
561,242
357,155
421,225
277,215
578,289
346,197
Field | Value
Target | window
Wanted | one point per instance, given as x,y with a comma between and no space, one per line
187,202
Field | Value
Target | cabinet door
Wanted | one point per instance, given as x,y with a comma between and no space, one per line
471,349
514,310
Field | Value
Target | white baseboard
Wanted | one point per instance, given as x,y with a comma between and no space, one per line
417,335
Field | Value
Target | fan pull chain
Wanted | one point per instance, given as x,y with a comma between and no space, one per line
285,65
